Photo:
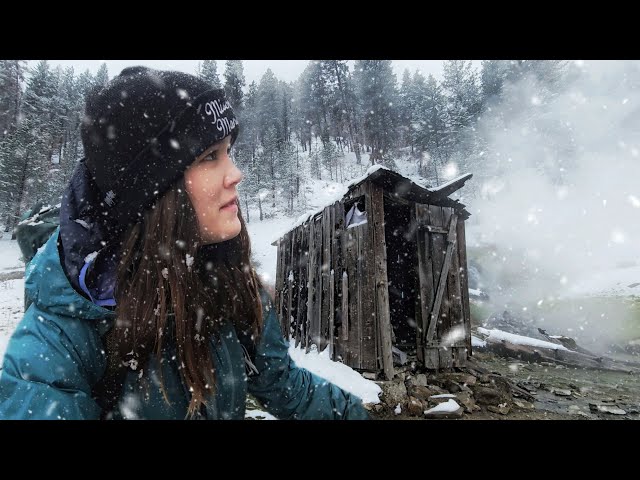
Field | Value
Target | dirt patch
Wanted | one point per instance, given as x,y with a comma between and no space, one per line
496,388
15,275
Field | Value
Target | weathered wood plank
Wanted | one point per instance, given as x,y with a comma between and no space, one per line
290,287
425,278
459,356
455,293
332,286
445,306
353,349
419,304
464,283
432,229
376,221
451,239
431,358
345,307
303,279
315,335
323,335
437,254
312,285
446,359
278,274
359,260
331,305
281,285
295,287
367,302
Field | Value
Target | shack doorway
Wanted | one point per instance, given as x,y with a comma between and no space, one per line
402,279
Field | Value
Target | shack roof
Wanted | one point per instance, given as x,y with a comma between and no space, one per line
397,186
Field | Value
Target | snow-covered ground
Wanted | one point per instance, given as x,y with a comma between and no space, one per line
11,307
262,235
9,255
613,281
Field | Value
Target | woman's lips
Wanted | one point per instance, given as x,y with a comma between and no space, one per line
231,205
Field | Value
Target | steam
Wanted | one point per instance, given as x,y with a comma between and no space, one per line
556,211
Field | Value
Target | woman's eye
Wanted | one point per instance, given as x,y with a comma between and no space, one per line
210,156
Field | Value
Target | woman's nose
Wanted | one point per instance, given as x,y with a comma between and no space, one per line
234,176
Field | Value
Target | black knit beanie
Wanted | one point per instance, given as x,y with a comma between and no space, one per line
143,129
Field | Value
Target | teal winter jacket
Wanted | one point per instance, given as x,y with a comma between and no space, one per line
56,355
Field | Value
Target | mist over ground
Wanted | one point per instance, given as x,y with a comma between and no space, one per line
555,212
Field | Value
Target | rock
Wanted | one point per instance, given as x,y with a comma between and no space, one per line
414,407
452,386
467,401
450,409
369,375
460,378
561,392
575,410
612,409
489,396
524,404
422,393
420,380
484,378
393,393
502,409
442,398
400,376
500,383
378,408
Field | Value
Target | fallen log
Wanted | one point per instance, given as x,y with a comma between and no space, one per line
567,358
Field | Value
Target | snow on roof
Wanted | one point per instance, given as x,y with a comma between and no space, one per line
344,189
445,186
340,192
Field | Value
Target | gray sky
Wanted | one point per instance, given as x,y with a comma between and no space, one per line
287,70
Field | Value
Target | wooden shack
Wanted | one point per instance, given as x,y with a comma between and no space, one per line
380,276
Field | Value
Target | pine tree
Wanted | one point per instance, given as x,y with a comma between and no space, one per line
234,82
269,107
342,101
209,73
406,108
492,78
304,111
377,98
431,123
11,78
463,103
102,76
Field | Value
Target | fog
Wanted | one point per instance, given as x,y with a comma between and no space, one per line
556,210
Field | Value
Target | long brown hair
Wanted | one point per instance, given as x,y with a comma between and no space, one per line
164,269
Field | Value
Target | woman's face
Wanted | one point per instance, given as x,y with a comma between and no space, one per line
211,182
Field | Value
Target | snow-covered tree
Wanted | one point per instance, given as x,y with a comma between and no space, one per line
209,73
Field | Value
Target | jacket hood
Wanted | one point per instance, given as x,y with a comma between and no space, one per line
90,239
47,285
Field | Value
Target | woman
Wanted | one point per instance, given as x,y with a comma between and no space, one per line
144,302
